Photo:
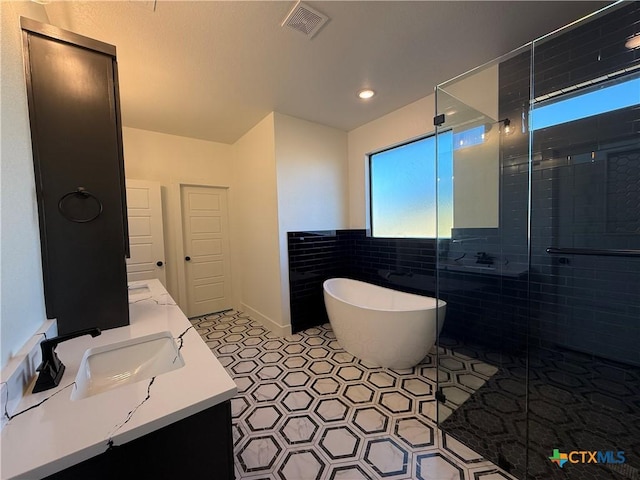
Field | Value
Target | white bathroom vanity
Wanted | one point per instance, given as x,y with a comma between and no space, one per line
147,400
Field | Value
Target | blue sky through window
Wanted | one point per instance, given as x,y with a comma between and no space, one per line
403,188
606,99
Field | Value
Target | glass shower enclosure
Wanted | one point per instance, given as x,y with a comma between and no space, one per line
539,253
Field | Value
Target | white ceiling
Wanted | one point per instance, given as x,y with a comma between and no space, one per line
213,69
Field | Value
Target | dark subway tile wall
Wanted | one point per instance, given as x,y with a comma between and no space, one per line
313,258
585,194
587,51
402,264
405,264
486,307
584,191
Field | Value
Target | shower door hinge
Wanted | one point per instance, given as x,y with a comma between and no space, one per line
438,120
441,397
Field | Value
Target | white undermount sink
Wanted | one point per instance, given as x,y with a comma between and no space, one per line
118,364
137,289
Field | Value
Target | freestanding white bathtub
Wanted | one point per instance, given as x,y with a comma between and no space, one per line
382,326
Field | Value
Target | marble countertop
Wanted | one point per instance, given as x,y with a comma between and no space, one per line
50,432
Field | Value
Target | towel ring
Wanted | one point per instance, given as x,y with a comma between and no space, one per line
84,194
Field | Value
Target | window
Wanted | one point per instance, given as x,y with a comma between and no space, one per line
403,189
602,99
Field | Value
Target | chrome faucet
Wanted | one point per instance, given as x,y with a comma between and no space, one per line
51,368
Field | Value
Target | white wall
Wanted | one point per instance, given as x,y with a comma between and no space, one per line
479,90
476,169
254,226
311,165
408,122
285,174
22,296
173,160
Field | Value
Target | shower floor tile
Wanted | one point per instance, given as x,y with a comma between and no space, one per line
569,408
307,409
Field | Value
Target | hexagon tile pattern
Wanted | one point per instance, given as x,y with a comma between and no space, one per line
575,401
307,409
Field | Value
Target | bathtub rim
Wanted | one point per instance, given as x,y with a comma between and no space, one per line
437,302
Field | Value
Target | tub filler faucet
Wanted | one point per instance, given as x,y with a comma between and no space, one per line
483,258
397,274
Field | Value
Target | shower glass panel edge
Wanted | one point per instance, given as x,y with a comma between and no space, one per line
482,263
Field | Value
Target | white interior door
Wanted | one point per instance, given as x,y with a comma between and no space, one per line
146,240
206,248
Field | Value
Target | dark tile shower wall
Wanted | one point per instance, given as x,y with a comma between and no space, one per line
585,194
581,390
486,307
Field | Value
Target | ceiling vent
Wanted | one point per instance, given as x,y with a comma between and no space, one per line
305,19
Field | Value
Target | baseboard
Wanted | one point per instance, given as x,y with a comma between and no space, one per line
280,330
21,370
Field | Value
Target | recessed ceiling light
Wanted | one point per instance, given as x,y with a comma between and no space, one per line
633,42
366,93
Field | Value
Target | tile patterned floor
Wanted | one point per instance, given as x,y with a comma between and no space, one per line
575,402
307,409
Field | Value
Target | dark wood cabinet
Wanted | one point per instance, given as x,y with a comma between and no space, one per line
199,446
72,90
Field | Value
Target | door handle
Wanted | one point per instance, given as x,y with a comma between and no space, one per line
187,258
159,263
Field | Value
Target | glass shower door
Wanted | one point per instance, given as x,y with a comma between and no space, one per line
584,389
482,269
539,359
